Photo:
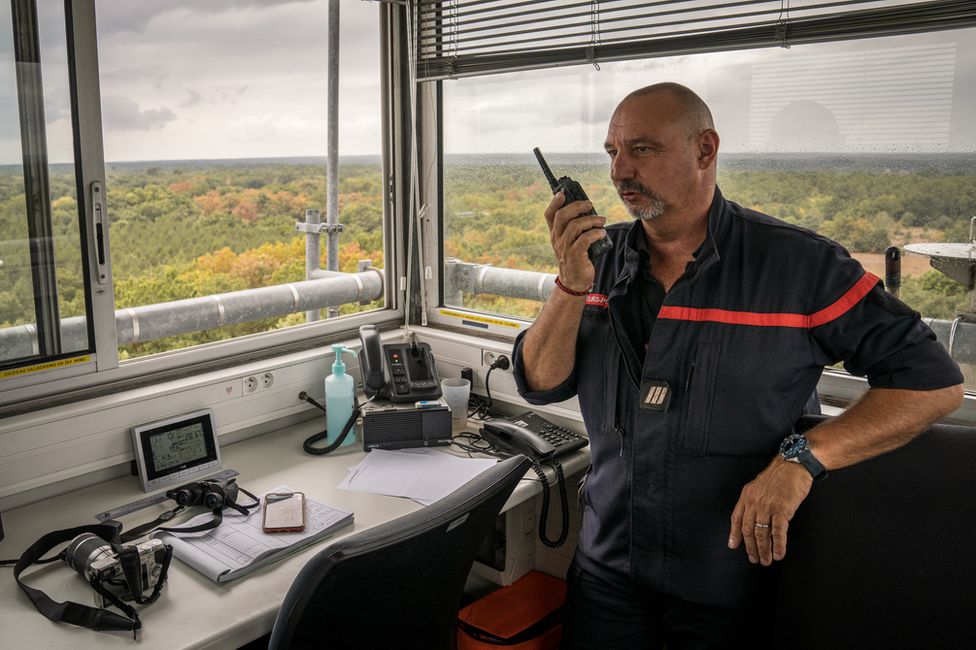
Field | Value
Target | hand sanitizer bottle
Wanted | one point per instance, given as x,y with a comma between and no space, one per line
339,398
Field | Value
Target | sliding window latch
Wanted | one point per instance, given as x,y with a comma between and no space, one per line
99,231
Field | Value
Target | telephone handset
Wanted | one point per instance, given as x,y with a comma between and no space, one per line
518,439
531,435
399,372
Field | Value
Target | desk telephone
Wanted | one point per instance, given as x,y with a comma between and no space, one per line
541,441
531,435
399,372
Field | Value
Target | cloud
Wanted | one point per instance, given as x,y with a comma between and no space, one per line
287,127
133,73
195,98
135,15
240,78
120,113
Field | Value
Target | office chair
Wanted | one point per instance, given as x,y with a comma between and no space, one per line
880,554
398,585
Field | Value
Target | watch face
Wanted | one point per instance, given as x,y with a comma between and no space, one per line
793,446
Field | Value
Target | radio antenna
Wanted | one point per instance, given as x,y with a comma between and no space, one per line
545,170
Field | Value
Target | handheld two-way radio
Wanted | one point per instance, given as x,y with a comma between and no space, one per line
573,192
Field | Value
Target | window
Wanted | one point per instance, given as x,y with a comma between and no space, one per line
205,127
44,279
868,141
215,121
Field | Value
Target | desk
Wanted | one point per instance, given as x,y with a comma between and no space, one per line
193,611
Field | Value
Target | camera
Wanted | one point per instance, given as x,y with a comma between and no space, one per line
214,493
99,563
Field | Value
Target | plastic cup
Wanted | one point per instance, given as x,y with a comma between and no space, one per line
456,392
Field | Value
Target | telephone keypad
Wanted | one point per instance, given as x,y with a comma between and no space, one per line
562,439
556,435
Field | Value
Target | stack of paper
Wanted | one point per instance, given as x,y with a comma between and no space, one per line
238,545
423,474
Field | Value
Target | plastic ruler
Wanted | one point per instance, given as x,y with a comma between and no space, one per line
129,508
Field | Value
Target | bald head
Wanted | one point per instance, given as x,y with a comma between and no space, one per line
663,153
695,114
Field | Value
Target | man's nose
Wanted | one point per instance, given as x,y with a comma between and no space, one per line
621,168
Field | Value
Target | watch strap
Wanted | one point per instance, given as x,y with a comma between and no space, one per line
814,466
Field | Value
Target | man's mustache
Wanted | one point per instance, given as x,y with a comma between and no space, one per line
634,186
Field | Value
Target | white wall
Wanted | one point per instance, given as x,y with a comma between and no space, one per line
58,450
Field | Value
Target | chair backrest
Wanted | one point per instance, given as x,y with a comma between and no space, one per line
398,585
880,554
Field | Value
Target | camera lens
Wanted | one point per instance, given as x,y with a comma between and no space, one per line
85,549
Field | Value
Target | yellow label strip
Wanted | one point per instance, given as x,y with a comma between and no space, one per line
61,363
478,319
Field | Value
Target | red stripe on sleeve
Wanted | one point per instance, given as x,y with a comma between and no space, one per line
839,308
847,301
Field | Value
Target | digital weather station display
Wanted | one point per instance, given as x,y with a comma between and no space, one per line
176,449
179,446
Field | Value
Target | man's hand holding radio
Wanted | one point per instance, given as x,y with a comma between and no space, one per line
550,344
571,236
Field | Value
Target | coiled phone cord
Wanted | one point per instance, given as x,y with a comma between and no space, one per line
350,423
545,504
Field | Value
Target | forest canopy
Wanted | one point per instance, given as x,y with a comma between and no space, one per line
494,215
197,229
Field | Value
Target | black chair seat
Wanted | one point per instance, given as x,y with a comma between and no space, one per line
398,585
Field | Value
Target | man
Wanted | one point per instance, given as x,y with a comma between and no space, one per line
694,346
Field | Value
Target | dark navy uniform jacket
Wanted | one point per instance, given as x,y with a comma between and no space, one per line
740,340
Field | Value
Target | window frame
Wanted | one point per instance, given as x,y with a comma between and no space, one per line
88,166
104,374
836,387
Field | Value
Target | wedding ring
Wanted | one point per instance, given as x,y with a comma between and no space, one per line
762,525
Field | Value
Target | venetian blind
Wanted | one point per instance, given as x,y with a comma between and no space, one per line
460,38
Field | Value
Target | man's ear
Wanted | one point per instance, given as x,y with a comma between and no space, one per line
708,142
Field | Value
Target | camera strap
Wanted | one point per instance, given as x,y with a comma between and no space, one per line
94,618
145,529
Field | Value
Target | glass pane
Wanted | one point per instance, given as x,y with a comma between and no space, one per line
42,276
215,129
868,142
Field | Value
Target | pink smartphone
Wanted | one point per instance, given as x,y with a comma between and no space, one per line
284,512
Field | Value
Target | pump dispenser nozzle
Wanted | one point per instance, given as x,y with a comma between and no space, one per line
339,367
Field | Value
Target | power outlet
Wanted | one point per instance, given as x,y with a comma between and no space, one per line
250,385
490,357
254,383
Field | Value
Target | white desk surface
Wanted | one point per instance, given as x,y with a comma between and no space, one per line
193,611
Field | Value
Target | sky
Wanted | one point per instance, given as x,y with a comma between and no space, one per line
914,94
212,79
202,79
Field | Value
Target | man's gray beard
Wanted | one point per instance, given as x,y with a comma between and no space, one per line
654,208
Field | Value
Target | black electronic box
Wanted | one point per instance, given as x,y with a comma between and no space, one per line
393,426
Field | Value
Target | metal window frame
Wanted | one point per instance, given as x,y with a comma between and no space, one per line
51,361
490,36
838,387
103,374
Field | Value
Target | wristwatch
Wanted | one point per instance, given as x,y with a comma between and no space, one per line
794,449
